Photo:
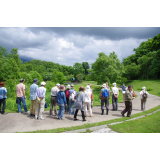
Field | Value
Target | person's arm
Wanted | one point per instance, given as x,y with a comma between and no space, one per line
83,99
100,95
24,93
65,102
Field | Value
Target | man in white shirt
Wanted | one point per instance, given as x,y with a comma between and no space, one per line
143,95
115,94
54,92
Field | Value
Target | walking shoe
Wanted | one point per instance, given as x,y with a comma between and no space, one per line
57,117
62,119
41,118
91,116
122,114
36,117
86,116
4,113
84,120
31,114
128,116
75,119
27,112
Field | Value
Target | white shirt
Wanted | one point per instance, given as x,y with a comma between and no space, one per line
115,90
87,96
54,91
144,91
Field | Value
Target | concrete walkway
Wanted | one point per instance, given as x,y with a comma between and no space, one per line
17,122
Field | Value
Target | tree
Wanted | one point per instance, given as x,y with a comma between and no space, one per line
85,66
107,68
58,77
35,75
78,68
79,77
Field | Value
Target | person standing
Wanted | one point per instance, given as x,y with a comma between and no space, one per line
104,97
20,90
80,98
54,92
88,95
115,93
33,90
72,95
92,95
128,101
3,97
61,101
143,95
40,94
67,98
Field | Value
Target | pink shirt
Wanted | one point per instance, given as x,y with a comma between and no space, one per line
19,89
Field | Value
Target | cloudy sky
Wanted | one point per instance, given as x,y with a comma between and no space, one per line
68,45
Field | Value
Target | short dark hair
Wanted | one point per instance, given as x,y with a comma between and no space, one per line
129,86
21,80
81,88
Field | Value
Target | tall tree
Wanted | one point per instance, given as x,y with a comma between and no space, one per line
85,66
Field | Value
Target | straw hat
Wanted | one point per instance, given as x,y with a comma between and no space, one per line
2,84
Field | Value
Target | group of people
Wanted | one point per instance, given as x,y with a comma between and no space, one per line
69,101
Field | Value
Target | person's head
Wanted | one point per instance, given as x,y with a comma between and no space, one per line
68,86
57,85
130,87
81,88
72,86
61,88
21,80
114,84
35,81
143,88
123,84
43,84
88,88
106,84
2,84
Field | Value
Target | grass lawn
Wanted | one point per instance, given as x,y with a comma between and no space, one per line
88,125
148,124
153,86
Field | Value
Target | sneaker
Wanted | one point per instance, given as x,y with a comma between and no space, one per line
57,117
62,119
122,114
31,114
128,116
36,117
91,116
4,113
27,112
75,119
41,118
84,120
86,116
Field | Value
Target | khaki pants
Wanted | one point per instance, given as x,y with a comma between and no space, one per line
143,104
40,108
53,103
33,106
89,108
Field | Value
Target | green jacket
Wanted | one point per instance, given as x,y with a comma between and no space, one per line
128,95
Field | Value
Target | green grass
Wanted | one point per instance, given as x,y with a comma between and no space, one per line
152,85
87,131
88,125
148,124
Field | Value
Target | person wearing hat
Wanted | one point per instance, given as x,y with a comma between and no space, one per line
40,95
104,97
33,90
88,97
20,90
61,101
143,95
67,98
72,95
115,93
3,96
54,92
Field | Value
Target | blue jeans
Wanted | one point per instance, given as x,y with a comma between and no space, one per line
61,111
21,99
70,106
3,100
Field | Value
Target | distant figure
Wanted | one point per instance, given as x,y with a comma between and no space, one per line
128,101
115,94
20,90
143,95
40,94
92,95
72,95
3,97
61,101
33,98
104,97
123,92
67,98
88,97
80,98
54,92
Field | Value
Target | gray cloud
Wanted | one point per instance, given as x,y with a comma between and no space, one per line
68,45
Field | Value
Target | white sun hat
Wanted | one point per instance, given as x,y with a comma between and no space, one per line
87,88
68,86
144,88
43,83
114,84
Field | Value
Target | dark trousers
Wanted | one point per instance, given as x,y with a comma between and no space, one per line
67,107
128,108
3,100
75,114
114,102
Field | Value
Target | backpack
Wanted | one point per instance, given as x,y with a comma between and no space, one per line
67,93
71,97
144,96
105,93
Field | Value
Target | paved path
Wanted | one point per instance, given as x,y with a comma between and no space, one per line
16,122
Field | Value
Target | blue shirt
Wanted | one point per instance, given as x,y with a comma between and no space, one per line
41,92
33,90
71,91
61,98
3,91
